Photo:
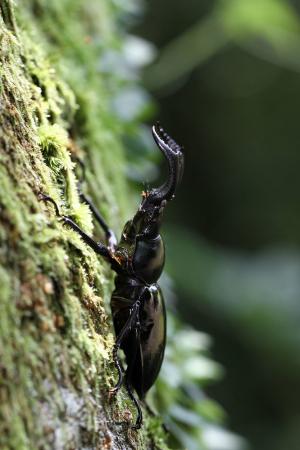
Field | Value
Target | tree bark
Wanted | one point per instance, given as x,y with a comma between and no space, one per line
55,328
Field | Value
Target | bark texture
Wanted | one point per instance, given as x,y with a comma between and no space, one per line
55,330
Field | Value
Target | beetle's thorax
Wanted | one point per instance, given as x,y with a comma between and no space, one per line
148,259
141,249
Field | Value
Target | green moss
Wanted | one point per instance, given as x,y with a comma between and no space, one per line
55,331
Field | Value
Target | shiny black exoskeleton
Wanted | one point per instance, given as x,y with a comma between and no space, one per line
137,303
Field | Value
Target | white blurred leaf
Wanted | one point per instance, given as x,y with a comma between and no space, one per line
202,368
216,438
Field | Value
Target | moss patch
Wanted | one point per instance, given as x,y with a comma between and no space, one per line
55,333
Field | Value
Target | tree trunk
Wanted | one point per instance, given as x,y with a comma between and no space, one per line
55,328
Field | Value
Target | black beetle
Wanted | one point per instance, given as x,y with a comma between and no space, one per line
137,302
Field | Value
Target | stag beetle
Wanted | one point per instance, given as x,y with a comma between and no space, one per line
137,302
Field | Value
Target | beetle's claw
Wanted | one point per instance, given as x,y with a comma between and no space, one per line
46,198
42,197
113,392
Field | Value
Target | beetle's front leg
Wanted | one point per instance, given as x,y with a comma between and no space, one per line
96,246
109,234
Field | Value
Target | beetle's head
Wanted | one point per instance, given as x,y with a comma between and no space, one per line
147,220
154,200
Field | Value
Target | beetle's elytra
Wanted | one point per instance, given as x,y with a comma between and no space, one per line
137,302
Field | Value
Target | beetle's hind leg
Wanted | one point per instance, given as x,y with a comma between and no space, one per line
128,376
113,391
131,321
132,325
109,234
139,419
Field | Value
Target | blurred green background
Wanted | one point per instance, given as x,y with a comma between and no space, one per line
227,83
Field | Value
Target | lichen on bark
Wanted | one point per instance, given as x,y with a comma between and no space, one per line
55,329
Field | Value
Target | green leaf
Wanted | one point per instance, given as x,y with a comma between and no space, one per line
269,18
